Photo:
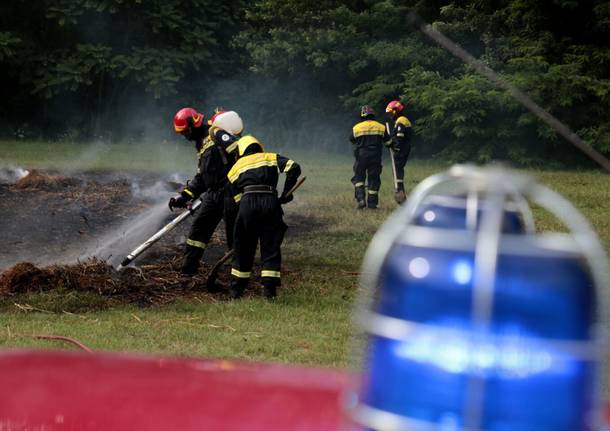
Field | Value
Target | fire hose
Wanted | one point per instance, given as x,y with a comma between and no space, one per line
157,236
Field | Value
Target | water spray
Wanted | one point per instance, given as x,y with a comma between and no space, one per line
157,236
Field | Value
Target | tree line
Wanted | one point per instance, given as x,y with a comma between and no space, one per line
103,68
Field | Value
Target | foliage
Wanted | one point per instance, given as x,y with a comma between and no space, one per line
319,61
99,55
8,45
367,53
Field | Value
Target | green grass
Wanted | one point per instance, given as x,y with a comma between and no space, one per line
158,156
311,321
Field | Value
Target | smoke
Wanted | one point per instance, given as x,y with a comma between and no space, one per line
158,191
295,114
11,175
91,152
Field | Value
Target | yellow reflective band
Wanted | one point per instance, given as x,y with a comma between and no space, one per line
400,134
206,146
240,274
237,197
268,273
404,121
367,128
207,143
253,161
359,185
288,165
372,192
232,147
194,243
188,192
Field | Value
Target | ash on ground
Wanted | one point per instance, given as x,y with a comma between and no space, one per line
48,217
67,232
53,224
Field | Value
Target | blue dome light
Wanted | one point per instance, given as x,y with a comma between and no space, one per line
476,323
459,211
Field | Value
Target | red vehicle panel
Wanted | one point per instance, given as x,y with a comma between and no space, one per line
81,391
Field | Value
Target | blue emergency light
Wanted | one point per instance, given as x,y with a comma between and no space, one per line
465,212
473,321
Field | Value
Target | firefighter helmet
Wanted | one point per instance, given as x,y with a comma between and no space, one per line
217,111
366,111
187,117
395,107
244,143
228,121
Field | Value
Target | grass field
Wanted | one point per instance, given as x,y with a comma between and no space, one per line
310,323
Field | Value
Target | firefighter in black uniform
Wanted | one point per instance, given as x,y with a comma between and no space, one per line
368,136
254,180
401,132
216,147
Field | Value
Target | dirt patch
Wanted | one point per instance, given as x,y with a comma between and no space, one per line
299,223
47,217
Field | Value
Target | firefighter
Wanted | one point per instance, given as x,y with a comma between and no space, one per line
216,146
400,132
368,136
254,180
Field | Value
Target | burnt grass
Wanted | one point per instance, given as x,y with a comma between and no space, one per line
45,213
146,285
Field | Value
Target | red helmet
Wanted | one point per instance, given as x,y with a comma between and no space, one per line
217,111
395,107
186,117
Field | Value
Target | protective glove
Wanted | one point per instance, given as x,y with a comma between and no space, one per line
392,146
285,199
177,202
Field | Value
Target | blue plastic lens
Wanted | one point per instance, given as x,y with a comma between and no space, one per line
527,388
450,213
434,286
530,384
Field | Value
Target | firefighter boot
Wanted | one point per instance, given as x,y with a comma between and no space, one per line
373,199
359,195
400,196
270,287
238,285
192,256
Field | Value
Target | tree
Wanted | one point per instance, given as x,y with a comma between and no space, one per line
365,52
102,54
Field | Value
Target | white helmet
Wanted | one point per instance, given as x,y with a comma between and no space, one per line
230,122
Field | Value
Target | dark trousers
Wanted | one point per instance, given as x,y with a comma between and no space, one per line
367,169
259,220
400,159
215,206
